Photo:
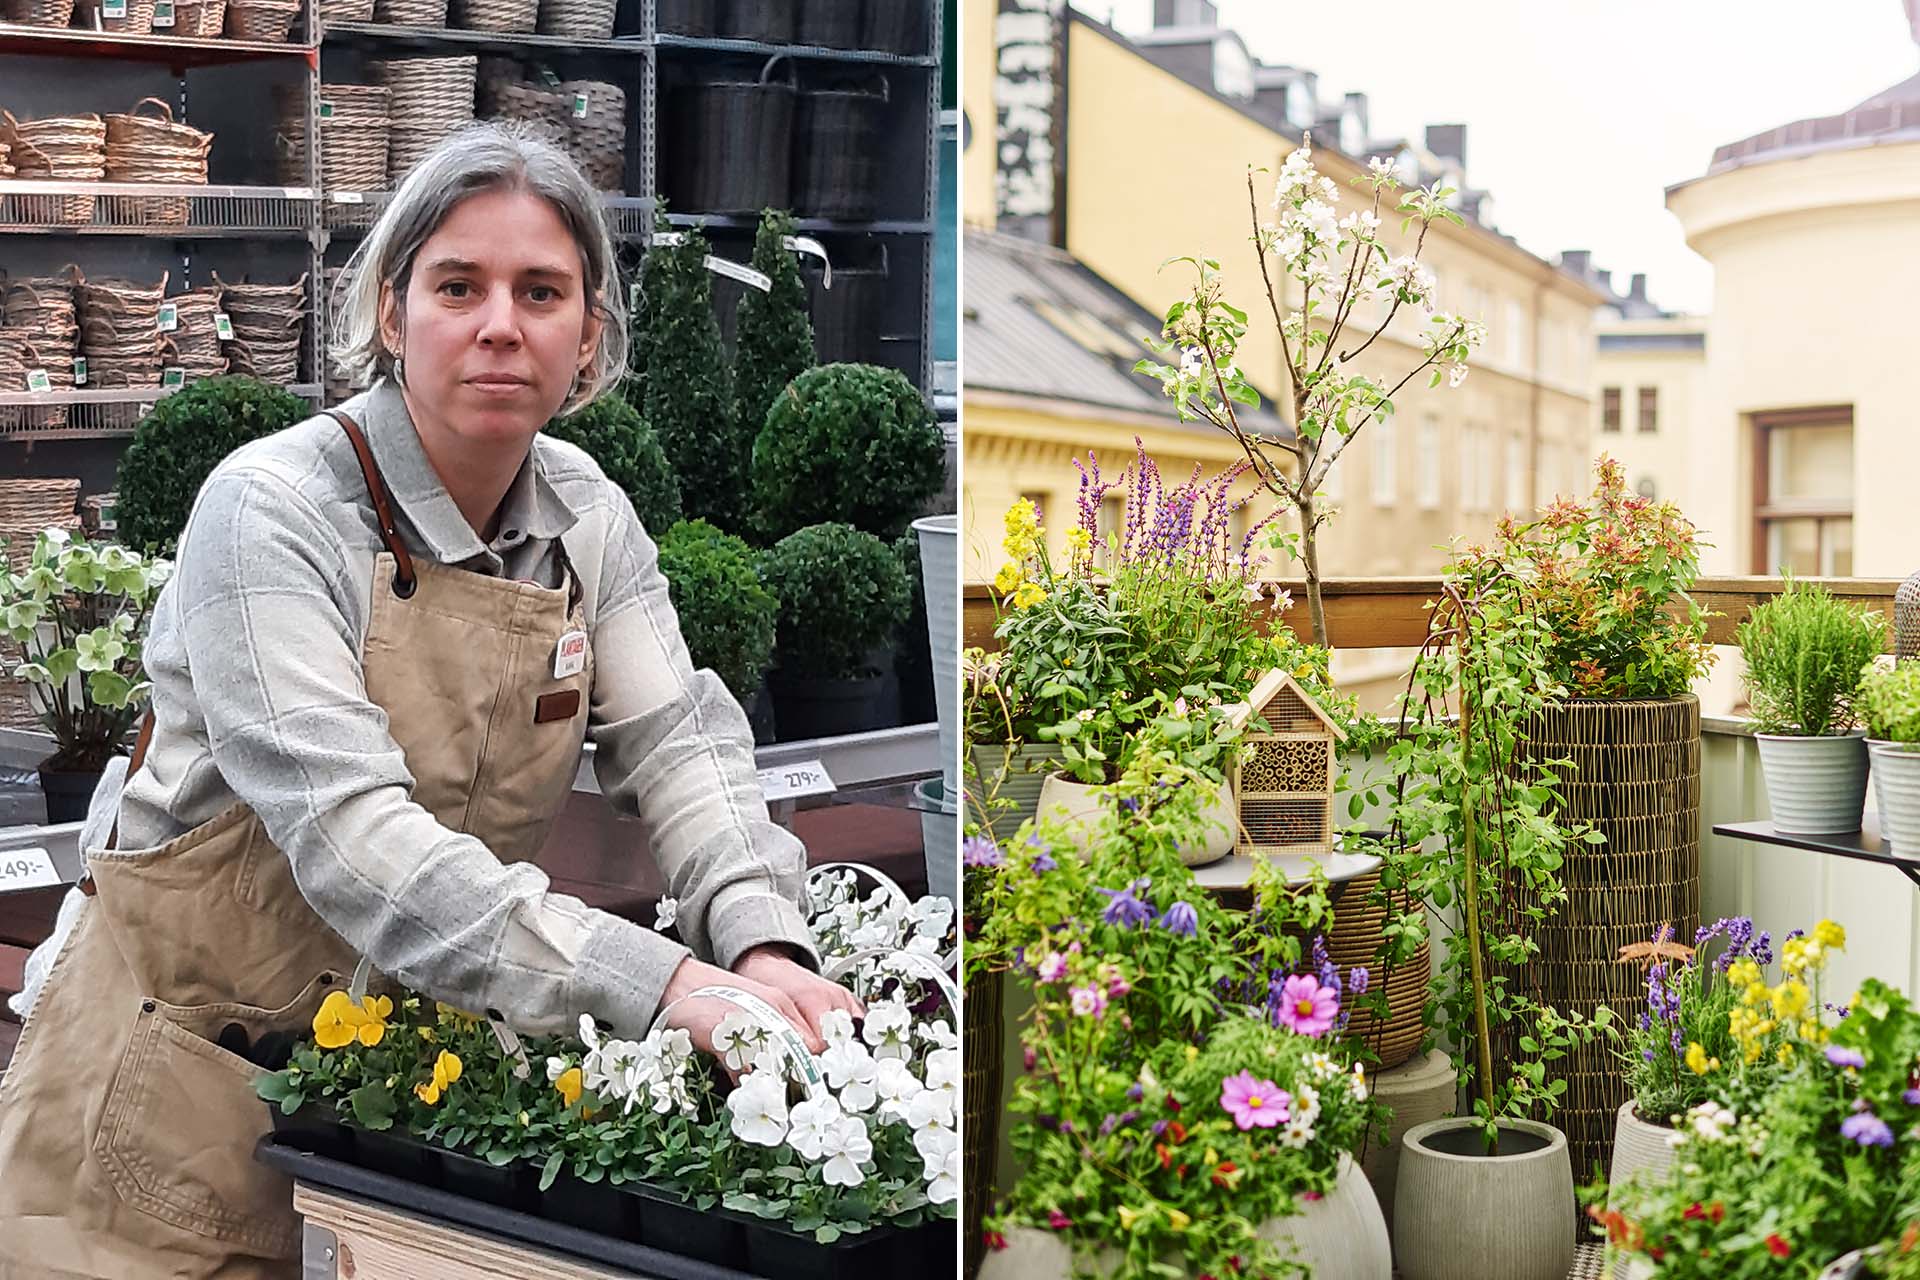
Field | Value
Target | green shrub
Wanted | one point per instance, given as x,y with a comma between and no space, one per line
615,435
1805,653
849,442
774,343
177,446
727,617
913,640
842,592
1890,702
688,384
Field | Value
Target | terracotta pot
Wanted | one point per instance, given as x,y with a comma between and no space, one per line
1078,804
1459,1214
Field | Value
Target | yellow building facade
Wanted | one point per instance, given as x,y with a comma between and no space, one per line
1649,390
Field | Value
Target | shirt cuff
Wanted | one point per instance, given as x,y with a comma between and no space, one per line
744,916
622,973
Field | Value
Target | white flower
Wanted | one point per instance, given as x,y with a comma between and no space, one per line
1364,221
1380,167
1253,592
759,1109
931,1110
943,1073
874,934
925,944
666,913
1297,1134
1456,375
836,1027
557,1067
933,1144
940,1033
932,914
1359,1082
738,1038
1193,363
1322,1066
888,1029
896,1087
846,1147
1306,1104
943,1181
813,1123
859,1096
1282,601
845,1060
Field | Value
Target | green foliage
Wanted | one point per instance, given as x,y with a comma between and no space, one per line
913,641
1806,653
842,592
625,446
177,446
774,340
1890,702
688,384
79,615
848,442
727,617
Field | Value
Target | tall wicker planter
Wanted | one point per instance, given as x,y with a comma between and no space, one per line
1636,780
981,1010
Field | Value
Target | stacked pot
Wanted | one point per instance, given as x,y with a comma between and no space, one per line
269,330
750,122
428,100
354,134
196,338
150,148
577,19
411,13
61,149
543,111
508,16
37,13
38,319
597,131
120,331
137,20
263,21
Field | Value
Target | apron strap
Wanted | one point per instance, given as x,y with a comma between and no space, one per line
140,745
403,575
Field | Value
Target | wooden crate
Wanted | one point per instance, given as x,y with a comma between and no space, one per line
374,1242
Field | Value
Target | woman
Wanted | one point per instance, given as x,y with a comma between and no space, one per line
391,628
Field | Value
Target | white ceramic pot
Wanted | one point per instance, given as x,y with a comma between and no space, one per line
940,577
1078,804
1896,782
1420,1090
1815,786
1459,1214
1342,1236
1640,1150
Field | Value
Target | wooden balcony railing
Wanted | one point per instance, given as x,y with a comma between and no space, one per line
1391,613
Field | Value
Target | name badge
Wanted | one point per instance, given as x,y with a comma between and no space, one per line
570,659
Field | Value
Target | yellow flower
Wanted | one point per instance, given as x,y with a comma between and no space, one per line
1022,518
1193,1051
1128,1217
1697,1060
1790,999
1079,544
446,1069
1028,595
569,1084
1178,1220
426,1033
1830,935
1020,546
1008,579
1811,1030
340,1021
450,1014
1757,993
1743,973
1785,1054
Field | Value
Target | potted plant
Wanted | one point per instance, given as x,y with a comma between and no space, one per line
1187,1105
842,593
1806,653
727,616
79,617
615,435
1890,703
849,442
774,338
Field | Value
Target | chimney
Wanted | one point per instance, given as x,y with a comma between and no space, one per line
1578,262
1638,290
1356,110
1448,142
1606,282
1185,13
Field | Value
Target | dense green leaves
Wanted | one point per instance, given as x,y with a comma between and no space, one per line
687,385
1806,653
615,435
727,617
774,340
842,593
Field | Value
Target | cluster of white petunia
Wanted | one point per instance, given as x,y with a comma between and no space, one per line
653,1072
844,923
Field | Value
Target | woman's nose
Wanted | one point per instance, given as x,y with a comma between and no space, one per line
499,323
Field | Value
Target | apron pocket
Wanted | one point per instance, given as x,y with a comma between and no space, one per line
177,1136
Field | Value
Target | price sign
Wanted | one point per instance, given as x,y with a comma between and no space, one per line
744,274
792,781
37,380
113,9
223,326
27,869
79,371
163,13
169,317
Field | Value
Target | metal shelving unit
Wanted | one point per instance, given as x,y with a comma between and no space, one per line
756,48
174,51
89,413
29,207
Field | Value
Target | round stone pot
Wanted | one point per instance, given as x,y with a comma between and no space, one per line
1421,1090
1640,1150
1078,804
1341,1236
1815,786
1896,782
1459,1214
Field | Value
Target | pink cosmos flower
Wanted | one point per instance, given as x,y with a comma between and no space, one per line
1306,1006
1260,1104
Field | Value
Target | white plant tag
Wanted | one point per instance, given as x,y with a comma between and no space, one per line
808,245
79,371
169,317
670,239
223,326
348,197
744,274
37,380
579,106
792,781
163,13
173,379
113,8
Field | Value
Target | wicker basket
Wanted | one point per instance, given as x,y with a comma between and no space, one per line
62,149
411,13
199,19
597,131
354,136
431,99
91,15
507,16
142,148
332,11
578,19
262,21
38,13
41,502
981,1049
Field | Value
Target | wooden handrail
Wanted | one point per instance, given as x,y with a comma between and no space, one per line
1391,613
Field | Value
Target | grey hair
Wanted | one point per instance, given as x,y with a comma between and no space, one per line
480,158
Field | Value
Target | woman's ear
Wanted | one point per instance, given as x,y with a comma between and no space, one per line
590,333
391,335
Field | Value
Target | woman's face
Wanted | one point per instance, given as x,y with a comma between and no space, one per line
495,324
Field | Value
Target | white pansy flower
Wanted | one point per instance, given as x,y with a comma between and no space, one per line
939,1033
738,1038
836,1027
943,1073
557,1067
1297,1134
759,1109
845,1061
925,944
932,914
943,1182
896,1087
666,913
933,1146
931,1110
813,1123
859,1095
846,1147
889,1029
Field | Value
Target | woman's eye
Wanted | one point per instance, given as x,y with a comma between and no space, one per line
454,288
543,293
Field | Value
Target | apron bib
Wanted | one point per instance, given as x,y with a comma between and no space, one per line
126,1133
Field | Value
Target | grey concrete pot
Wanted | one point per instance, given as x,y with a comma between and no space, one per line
1462,1215
1640,1149
1420,1090
1815,786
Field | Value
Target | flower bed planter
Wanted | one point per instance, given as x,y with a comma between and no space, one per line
509,1186
1640,1149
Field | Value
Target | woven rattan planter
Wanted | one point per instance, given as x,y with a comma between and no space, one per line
577,19
64,149
31,502
981,1070
508,16
1354,943
597,131
199,19
145,145
748,121
837,152
354,136
411,13
37,13
430,98
831,24
1636,780
345,11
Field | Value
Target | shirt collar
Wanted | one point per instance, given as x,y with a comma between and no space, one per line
532,508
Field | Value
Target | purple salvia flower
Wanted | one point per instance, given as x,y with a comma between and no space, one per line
1358,980
979,851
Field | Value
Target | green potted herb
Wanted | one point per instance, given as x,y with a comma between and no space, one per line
727,616
842,594
1890,703
1806,653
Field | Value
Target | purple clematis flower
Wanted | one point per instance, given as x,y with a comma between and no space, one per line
979,851
1840,1057
1125,909
1867,1129
1181,918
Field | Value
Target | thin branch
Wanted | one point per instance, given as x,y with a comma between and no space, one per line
1418,244
1273,303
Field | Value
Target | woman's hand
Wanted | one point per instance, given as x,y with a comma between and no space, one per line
802,989
700,1016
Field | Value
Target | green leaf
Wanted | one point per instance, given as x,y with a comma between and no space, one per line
373,1106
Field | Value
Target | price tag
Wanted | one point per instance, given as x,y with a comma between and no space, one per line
79,371
348,197
113,8
27,869
145,409
808,245
579,106
37,380
163,13
792,781
223,326
173,379
744,274
169,317
326,109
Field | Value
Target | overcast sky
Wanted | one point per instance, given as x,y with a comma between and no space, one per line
1580,113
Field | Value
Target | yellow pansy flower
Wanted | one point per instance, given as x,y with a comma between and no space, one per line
1028,595
1697,1060
569,1084
446,1069
1178,1220
1785,1055
340,1021
1830,935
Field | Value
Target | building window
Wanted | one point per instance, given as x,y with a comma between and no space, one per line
1516,344
1803,492
1039,501
1386,483
1649,410
1516,473
1427,483
1110,521
1609,408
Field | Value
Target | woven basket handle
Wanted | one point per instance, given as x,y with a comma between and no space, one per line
766,72
806,1068
929,970
166,111
74,274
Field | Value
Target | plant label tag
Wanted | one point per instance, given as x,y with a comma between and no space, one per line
633,296
37,380
808,245
669,239
173,379
326,109
511,1047
547,77
792,781
163,13
579,106
570,658
223,326
348,197
169,317
744,274
79,371
113,8
27,869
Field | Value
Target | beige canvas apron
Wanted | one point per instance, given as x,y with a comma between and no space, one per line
126,1133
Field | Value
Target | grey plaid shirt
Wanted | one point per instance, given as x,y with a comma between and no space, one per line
255,656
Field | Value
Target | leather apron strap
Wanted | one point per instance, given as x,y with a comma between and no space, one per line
404,580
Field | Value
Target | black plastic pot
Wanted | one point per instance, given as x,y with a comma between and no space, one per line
831,24
398,1156
732,145
775,1251
826,707
672,1225
770,21
837,152
766,731
893,26
68,793
918,704
510,1186
687,17
599,1207
847,318
316,1128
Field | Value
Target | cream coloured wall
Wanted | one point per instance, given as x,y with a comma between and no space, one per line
1678,378
977,66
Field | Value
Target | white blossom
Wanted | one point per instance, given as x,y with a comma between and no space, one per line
932,914
836,1027
665,913
943,1180
896,1086
1323,1067
932,1110
939,1033
888,1028
1380,167
1306,1104
846,1147
759,1109
813,1122
943,1073
844,1061
738,1038
1297,1134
